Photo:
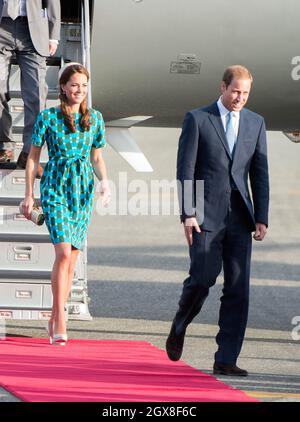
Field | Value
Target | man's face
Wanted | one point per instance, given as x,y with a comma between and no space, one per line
235,95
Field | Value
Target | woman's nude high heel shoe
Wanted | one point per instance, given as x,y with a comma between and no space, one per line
50,328
60,339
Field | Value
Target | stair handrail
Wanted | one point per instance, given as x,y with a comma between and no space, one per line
86,43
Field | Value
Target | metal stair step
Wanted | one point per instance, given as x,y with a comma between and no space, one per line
52,94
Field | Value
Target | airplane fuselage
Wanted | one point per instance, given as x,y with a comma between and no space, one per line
163,57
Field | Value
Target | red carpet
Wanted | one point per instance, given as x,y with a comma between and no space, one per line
102,370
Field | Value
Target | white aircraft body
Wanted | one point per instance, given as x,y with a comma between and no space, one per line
161,58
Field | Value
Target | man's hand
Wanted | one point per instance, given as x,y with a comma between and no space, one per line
52,48
189,225
260,232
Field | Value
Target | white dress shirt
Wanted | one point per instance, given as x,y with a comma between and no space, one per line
22,9
223,113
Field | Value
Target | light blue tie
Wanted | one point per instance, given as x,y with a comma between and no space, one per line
230,133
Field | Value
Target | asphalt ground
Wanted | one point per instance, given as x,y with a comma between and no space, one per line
136,265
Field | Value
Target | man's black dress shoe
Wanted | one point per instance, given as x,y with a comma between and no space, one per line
174,344
229,369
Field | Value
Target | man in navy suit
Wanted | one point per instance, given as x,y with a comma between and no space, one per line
224,145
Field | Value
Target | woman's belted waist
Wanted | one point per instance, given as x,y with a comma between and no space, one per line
70,166
70,160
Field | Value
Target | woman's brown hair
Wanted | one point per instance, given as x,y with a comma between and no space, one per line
84,111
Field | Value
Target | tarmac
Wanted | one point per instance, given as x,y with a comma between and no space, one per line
136,265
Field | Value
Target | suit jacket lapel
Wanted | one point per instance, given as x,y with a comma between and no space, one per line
216,121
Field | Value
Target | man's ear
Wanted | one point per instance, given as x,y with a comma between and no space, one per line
223,87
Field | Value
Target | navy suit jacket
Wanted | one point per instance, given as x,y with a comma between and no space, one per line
203,154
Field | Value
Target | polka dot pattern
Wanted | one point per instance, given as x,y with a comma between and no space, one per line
67,184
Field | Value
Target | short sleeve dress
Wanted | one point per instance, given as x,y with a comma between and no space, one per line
67,184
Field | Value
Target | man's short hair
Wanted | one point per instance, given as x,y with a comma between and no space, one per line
236,71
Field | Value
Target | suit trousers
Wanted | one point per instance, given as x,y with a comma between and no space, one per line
15,39
229,246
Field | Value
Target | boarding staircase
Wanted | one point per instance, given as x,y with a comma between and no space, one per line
27,255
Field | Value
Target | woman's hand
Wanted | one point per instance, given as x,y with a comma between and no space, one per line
100,172
27,205
105,193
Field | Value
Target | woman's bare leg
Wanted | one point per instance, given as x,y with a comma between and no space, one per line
74,256
60,283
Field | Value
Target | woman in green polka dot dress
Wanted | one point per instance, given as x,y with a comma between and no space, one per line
74,135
